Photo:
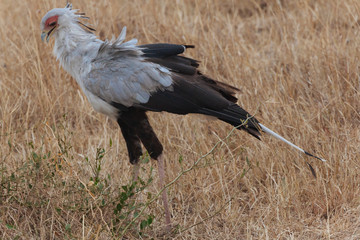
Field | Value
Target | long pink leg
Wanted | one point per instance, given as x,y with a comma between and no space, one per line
135,176
136,168
161,168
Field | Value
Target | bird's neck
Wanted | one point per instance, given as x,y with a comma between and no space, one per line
75,48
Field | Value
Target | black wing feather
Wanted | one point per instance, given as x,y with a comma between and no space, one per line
189,96
193,92
167,56
161,50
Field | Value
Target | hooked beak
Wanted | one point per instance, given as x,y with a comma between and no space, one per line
43,35
47,35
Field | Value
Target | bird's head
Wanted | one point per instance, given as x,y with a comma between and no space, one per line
58,18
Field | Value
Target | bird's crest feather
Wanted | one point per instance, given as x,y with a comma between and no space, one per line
68,5
80,15
118,47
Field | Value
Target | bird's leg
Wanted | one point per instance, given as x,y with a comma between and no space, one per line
133,145
164,196
138,122
155,149
136,168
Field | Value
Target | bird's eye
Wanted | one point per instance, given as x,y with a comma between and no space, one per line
52,24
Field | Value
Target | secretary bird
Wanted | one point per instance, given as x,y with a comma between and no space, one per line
123,80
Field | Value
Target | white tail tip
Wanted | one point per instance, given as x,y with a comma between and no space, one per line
267,130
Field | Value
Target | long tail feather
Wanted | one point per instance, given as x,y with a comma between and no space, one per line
267,130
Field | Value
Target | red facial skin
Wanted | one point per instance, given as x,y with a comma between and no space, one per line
51,22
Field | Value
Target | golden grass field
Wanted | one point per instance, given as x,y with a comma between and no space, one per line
297,65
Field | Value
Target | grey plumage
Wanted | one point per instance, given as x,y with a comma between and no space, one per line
126,79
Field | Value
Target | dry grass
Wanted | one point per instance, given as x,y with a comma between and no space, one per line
297,64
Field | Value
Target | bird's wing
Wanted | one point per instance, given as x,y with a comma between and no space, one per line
155,78
126,79
120,75
167,55
193,92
